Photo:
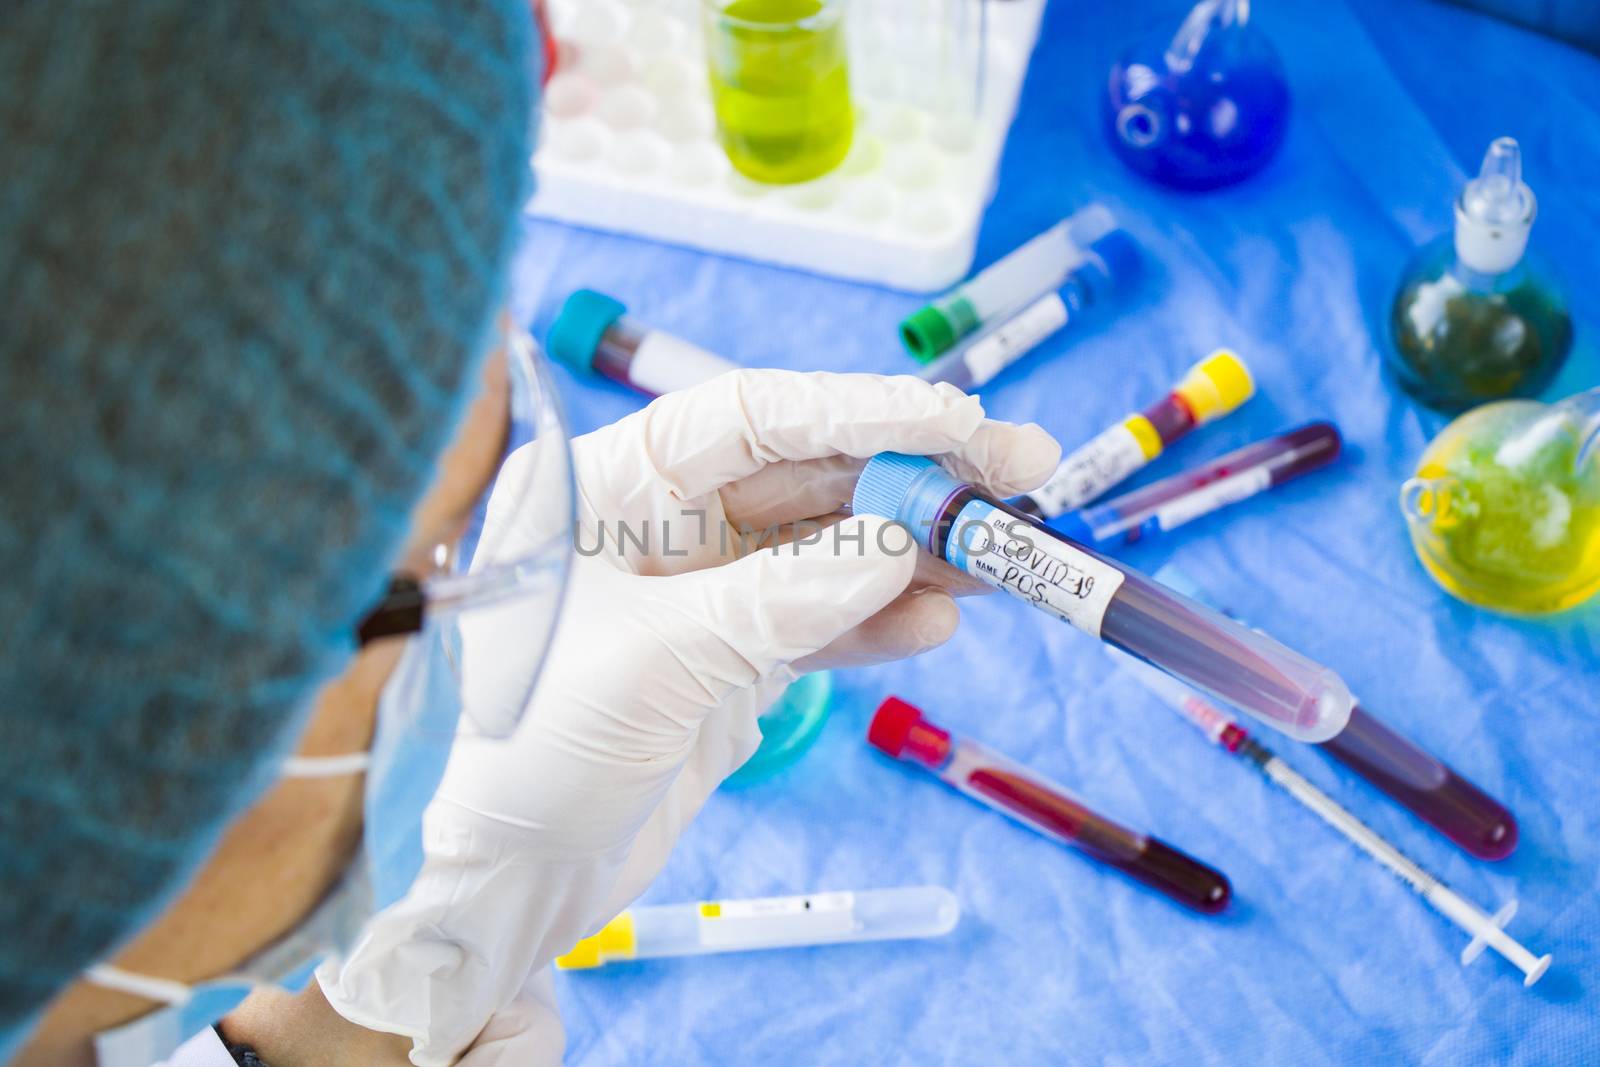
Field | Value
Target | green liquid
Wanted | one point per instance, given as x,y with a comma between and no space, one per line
781,88
1456,346
1523,539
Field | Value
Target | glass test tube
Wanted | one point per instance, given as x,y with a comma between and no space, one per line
711,926
1169,503
901,730
1423,784
593,335
1212,388
1015,553
1430,789
780,86
1007,285
1108,264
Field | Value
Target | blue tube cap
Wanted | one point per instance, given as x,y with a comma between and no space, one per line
1072,525
909,490
576,333
1117,257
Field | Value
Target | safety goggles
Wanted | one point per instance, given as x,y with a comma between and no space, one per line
492,594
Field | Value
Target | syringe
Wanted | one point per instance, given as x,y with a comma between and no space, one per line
1015,553
1241,474
1210,389
1220,727
711,926
900,730
592,334
1108,264
1009,284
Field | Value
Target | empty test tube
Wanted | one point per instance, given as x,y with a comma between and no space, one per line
1212,388
1015,553
1006,286
710,926
1109,264
901,730
594,335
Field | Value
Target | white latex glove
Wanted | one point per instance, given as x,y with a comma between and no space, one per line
659,668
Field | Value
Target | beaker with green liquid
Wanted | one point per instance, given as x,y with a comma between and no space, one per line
780,86
1504,509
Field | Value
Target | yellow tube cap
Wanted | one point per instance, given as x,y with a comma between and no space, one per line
1216,385
614,941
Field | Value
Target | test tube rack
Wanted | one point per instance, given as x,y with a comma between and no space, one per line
628,142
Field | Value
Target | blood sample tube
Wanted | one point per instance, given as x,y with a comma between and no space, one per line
1017,554
1211,389
594,335
1241,474
901,730
1429,788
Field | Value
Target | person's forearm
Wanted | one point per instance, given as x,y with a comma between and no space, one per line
302,1030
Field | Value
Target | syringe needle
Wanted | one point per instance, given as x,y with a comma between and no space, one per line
1224,730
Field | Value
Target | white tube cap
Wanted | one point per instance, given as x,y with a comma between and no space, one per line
1494,213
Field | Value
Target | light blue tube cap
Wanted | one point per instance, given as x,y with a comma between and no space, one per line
583,320
909,490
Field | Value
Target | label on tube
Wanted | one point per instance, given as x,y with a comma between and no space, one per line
1014,556
664,363
1209,498
1108,459
767,920
994,352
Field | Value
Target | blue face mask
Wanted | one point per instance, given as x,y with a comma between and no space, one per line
416,719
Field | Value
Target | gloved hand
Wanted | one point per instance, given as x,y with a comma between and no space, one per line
666,653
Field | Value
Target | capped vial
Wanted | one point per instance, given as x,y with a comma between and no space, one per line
594,335
1494,213
1015,553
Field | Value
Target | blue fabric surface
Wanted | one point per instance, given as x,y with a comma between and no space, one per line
1324,958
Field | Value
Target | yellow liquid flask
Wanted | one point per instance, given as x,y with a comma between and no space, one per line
780,86
1504,509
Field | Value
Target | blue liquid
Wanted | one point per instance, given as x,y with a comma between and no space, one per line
1212,124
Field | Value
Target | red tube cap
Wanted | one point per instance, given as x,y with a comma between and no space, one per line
898,729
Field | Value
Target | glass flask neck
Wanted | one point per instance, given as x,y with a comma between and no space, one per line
1206,16
1585,411
1430,502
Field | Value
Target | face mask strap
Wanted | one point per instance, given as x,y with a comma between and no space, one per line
160,990
344,766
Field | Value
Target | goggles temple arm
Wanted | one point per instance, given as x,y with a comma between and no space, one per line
400,612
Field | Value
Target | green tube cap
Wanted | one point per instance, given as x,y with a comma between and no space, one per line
926,333
576,333
933,330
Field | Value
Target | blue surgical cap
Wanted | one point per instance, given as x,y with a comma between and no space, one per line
250,256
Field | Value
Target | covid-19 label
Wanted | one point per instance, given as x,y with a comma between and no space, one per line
1013,555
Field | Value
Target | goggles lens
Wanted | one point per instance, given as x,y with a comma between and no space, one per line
490,597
